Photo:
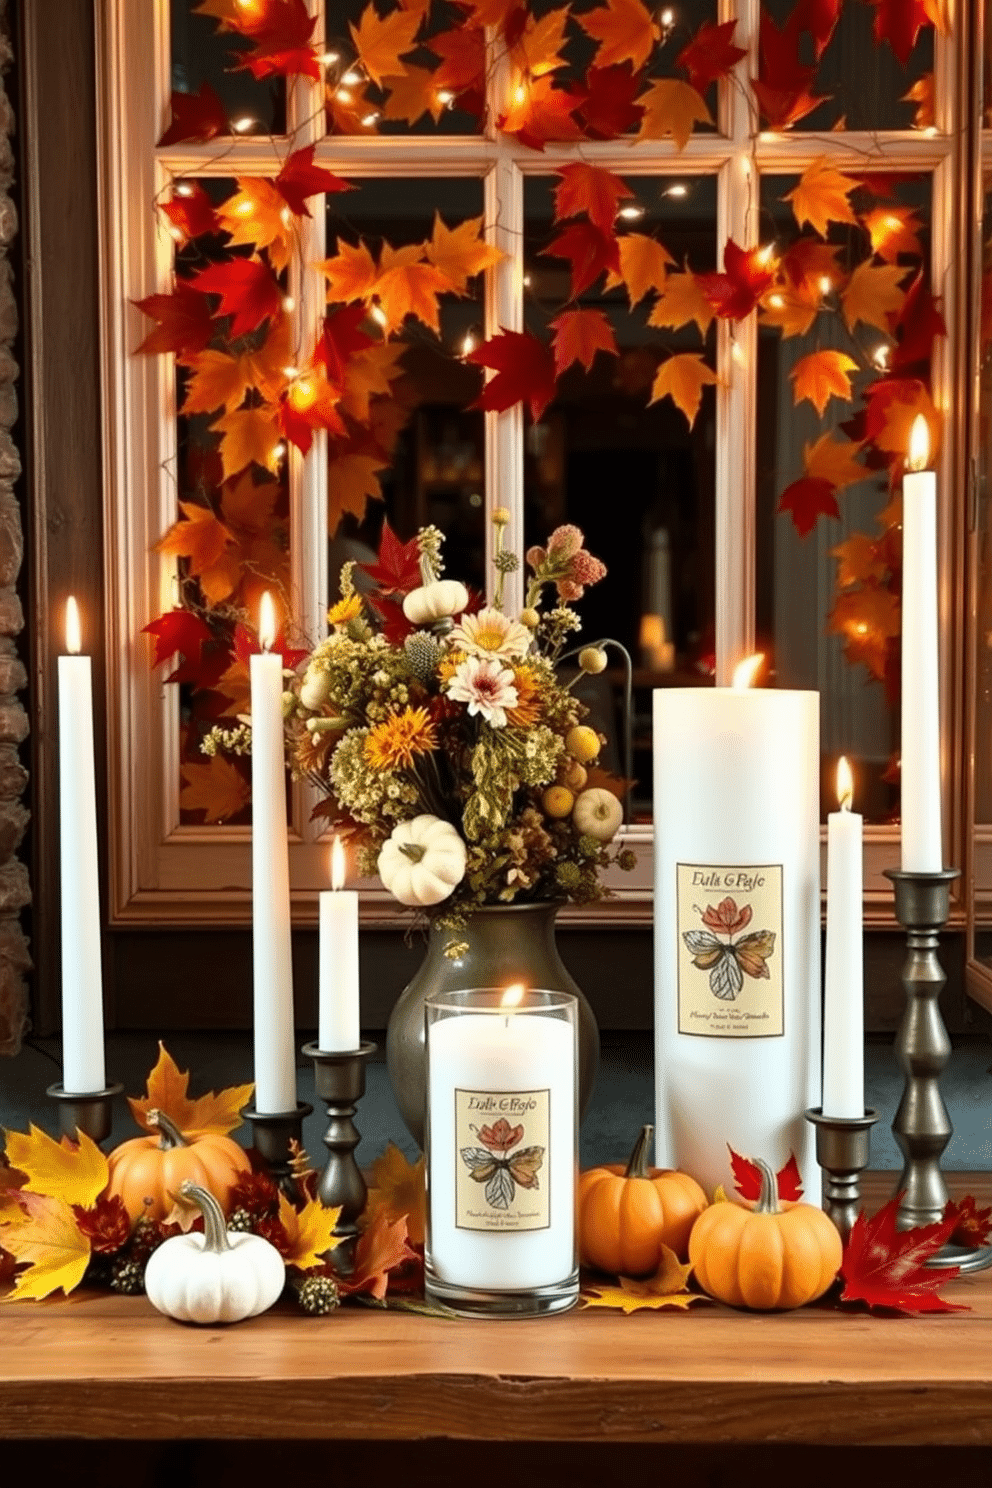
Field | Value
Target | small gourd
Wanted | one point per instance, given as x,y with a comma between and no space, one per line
423,860
220,1276
146,1171
598,813
625,1215
774,1255
435,600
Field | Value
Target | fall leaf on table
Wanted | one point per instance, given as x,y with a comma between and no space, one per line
591,191
407,286
184,324
525,372
352,481
884,1267
370,374
747,1178
380,41
106,1225
899,22
607,107
917,325
459,253
195,116
793,310
868,619
972,1226
822,196
625,29
75,1172
589,251
50,1239
668,1287
922,94
198,536
309,1232
833,460
397,566
248,292
541,114
350,273
681,300
578,335
873,295
671,108
281,31
682,378
806,500
747,274
178,631
783,85
397,1191
858,561
381,1248
190,211
893,230
711,54
257,214
537,49
643,266
166,1090
821,376
249,436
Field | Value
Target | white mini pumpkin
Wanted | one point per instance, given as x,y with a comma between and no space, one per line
423,860
597,813
435,601
315,689
220,1276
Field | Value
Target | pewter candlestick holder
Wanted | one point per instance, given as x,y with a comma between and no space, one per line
842,1148
922,1126
272,1136
92,1113
340,1083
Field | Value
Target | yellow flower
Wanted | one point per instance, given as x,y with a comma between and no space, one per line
395,741
528,708
346,609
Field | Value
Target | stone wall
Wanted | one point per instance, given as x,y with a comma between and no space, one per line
15,889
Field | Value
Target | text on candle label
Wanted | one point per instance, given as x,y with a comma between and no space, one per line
729,950
502,1171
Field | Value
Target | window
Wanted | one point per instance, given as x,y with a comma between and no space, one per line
695,513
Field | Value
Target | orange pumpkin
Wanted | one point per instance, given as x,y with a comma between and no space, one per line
626,1214
774,1255
146,1171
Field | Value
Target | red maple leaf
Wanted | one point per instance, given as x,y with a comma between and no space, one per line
190,210
501,1136
309,403
608,108
883,183
918,323
592,191
195,116
184,322
783,85
544,114
281,31
819,19
340,339
747,1178
886,1268
381,1249
746,275
463,58
899,22
972,1226
393,623
711,54
106,1225
246,644
300,178
807,499
589,251
397,566
248,292
178,631
525,372
728,917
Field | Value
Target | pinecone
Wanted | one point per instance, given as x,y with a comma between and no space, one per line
240,1219
128,1277
422,652
146,1237
317,1295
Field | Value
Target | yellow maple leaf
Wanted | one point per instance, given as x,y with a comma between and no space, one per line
257,213
249,436
626,32
792,308
216,787
406,286
922,93
680,301
643,266
370,373
166,1090
350,273
893,230
833,460
412,95
821,196
666,1288
50,1239
461,252
578,335
821,376
873,295
682,378
75,1172
351,483
380,41
310,1231
218,381
537,51
396,1191
671,107
199,537
858,560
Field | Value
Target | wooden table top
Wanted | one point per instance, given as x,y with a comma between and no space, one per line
103,1366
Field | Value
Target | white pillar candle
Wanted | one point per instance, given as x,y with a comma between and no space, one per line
843,991
83,1069
502,1084
275,1052
737,928
338,1029
922,850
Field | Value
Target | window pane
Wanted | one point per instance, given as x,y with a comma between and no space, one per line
631,474
829,539
202,53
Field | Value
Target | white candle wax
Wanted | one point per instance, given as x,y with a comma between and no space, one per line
737,928
275,1054
922,850
518,1068
83,1069
843,991
338,1028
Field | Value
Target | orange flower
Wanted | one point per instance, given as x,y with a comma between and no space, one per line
528,708
393,743
345,610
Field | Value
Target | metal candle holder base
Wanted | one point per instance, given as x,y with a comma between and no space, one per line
922,1126
92,1114
340,1083
271,1138
842,1147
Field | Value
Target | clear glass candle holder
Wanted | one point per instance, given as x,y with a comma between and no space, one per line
501,1145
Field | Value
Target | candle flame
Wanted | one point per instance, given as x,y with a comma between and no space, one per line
746,671
845,784
513,996
919,444
339,865
73,638
266,622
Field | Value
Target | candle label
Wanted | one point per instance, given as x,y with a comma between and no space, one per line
501,1140
730,950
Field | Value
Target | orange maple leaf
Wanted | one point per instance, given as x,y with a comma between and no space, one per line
539,113
166,1090
793,309
821,376
352,481
868,619
380,41
412,95
396,1191
309,1231
671,107
381,1248
821,196
682,378
899,412
217,381
578,335
407,286
681,300
833,460
590,191
922,94
198,536
258,214
537,50
216,788
459,253
350,273
893,230
249,436
643,266
873,295
50,1239
626,32
858,561
367,374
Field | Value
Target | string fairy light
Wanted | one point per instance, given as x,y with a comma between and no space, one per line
631,212
242,125
677,191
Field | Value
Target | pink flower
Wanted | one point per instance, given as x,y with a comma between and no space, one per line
486,686
566,563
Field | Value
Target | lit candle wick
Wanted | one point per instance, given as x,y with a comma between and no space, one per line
73,637
338,865
266,622
919,444
845,784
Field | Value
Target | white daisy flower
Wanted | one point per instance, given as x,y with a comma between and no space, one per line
491,633
486,687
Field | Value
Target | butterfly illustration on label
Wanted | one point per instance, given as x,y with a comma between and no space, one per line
729,960
499,1169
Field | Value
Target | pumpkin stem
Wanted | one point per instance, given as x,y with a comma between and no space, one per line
637,1167
413,851
768,1198
214,1224
170,1135
428,573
